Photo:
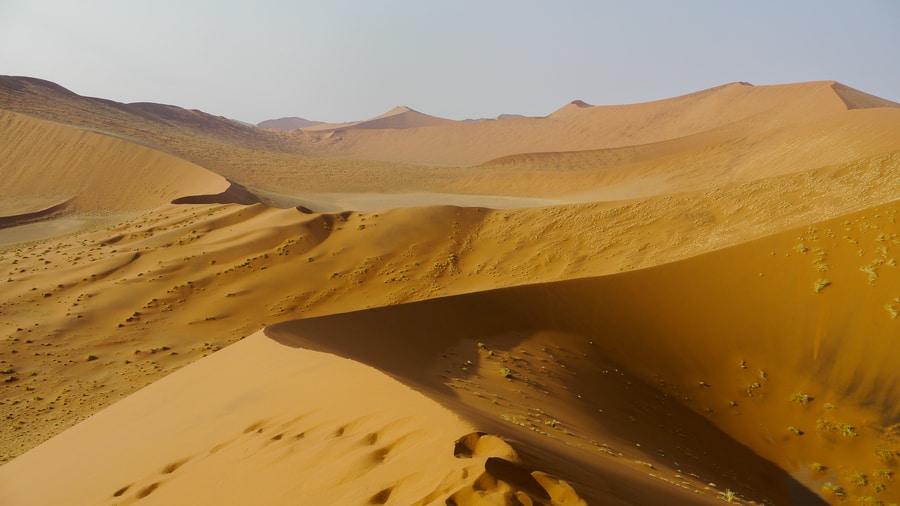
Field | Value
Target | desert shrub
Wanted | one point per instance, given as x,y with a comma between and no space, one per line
820,285
801,398
833,489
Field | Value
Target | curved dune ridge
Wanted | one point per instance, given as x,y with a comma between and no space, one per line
789,386
95,172
708,312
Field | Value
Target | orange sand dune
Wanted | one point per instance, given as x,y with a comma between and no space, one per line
627,386
273,434
732,133
195,277
40,160
399,117
656,338
788,344
291,123
577,127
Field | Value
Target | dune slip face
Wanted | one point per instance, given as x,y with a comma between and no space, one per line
686,301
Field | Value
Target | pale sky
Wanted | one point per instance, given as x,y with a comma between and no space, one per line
341,60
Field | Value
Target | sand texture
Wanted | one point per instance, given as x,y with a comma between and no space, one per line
686,301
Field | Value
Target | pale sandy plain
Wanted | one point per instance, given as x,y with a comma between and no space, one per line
686,301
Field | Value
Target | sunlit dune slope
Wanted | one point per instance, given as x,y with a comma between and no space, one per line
44,163
787,344
700,161
292,427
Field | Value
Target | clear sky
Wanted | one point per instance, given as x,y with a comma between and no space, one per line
340,60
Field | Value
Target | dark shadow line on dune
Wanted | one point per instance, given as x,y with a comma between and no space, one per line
43,214
234,194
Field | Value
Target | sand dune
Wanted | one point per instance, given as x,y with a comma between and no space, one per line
551,339
548,350
383,443
732,133
40,160
400,117
681,301
581,127
291,123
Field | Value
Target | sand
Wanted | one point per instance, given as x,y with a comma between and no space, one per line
682,301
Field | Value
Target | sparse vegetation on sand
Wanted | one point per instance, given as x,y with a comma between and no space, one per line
820,284
834,490
801,398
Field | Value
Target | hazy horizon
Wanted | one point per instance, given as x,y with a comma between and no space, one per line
353,60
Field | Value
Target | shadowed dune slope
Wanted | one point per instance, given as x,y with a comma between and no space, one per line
787,344
43,162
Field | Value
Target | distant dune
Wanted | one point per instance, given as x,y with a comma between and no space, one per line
398,118
686,301
577,126
291,123
44,161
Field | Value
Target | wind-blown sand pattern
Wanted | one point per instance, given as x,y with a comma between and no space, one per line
679,302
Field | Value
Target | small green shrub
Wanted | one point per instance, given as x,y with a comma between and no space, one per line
728,495
847,430
801,398
820,285
833,489
885,474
